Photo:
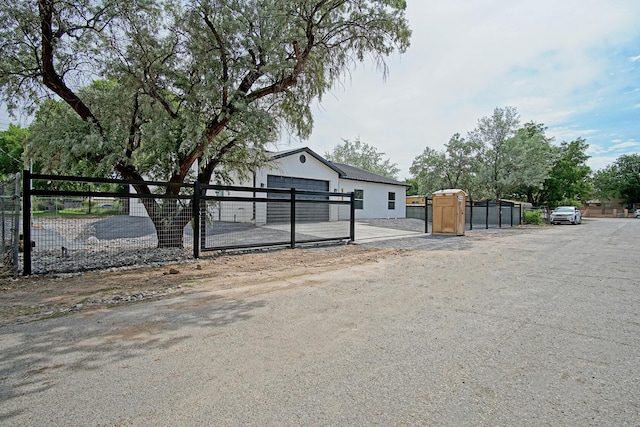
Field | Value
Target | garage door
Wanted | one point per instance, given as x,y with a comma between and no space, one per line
310,212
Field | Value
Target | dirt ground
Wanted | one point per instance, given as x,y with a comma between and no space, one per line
39,297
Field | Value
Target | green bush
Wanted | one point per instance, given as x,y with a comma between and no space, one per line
533,217
46,204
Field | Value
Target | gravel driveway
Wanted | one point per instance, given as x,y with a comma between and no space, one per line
514,327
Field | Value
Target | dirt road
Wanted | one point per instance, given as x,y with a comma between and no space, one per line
521,327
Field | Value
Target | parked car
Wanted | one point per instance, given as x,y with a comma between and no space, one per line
566,214
637,213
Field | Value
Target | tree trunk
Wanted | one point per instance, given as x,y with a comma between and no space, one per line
170,237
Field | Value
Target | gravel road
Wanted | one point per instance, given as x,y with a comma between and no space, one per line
526,326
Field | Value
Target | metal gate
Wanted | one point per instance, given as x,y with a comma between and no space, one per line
248,217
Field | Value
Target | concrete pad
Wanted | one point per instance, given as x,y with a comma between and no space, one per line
367,233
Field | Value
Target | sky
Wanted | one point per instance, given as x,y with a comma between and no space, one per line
573,65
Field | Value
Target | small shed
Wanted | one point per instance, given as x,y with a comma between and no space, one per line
448,212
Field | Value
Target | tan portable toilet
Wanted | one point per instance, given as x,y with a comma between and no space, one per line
448,212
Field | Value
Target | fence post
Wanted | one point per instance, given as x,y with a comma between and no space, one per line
487,219
293,218
513,206
470,212
426,215
26,223
352,217
196,219
16,224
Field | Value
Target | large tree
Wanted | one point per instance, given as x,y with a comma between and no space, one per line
528,160
363,156
12,143
455,167
568,181
185,83
493,133
620,179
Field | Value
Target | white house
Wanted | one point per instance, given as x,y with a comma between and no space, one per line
376,196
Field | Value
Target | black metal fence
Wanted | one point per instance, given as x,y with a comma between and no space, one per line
479,214
242,217
79,224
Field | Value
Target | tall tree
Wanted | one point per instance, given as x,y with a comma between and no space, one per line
12,143
363,156
529,158
428,169
568,181
453,168
186,83
493,133
621,179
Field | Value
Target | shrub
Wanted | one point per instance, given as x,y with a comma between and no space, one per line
533,217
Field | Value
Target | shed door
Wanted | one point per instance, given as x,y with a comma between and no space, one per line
311,212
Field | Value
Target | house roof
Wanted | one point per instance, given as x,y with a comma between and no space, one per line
357,174
344,171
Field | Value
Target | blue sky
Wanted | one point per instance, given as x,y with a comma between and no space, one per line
573,65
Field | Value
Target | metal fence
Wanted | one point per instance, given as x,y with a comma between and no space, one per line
479,214
79,224
10,220
239,217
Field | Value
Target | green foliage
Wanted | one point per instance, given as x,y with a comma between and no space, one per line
568,202
45,206
621,179
502,159
533,217
568,178
363,156
453,168
414,187
529,158
12,143
183,81
495,135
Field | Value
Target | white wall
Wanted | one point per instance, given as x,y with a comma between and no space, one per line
291,166
375,203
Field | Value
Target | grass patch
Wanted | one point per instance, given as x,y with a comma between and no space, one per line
76,213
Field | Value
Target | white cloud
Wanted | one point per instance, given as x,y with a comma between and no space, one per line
624,146
548,59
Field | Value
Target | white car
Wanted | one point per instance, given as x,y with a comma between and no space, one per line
566,214
637,213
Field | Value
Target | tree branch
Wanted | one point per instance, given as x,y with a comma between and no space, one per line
51,78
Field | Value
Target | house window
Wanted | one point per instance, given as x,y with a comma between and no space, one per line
358,199
391,201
